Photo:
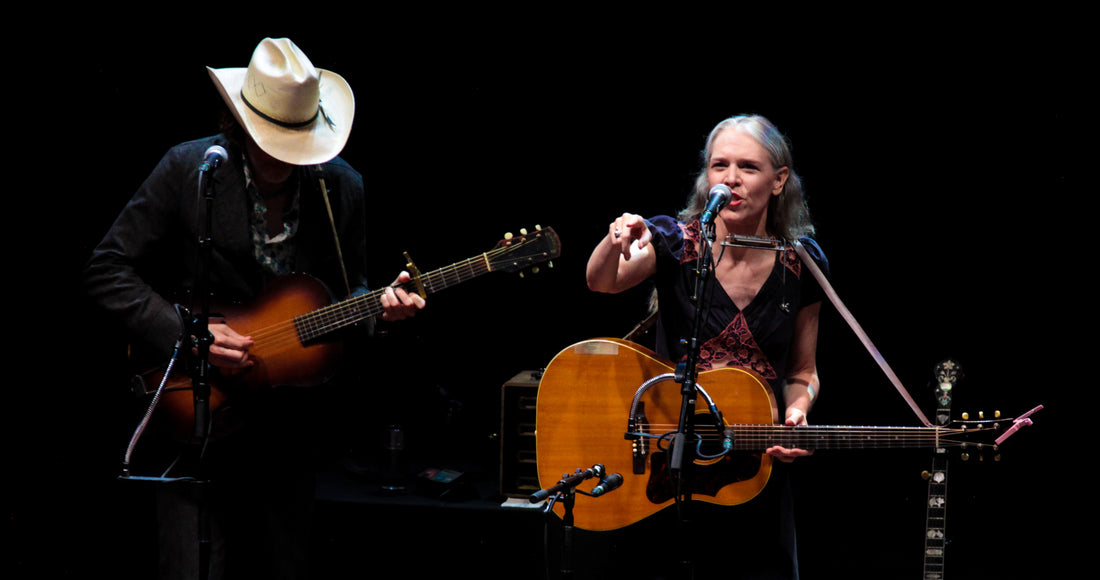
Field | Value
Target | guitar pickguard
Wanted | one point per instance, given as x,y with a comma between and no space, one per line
705,478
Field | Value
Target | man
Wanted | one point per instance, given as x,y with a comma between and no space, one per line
231,214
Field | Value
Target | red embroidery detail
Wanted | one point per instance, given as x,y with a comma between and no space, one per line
691,242
735,346
791,261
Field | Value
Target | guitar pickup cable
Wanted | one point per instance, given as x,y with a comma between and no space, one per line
633,433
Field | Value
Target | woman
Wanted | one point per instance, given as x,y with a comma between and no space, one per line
763,305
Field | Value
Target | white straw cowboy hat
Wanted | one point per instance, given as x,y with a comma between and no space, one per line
296,113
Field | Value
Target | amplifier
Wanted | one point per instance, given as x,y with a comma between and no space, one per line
518,472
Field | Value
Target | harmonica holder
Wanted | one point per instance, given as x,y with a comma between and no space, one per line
756,242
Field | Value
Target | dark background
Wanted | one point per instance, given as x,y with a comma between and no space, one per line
940,159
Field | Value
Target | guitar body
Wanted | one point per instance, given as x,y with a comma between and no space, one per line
280,357
584,404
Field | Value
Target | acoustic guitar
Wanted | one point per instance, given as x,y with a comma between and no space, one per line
614,403
293,321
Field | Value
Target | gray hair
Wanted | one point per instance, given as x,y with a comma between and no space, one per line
788,214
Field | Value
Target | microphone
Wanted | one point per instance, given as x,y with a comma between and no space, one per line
570,481
720,196
612,483
213,157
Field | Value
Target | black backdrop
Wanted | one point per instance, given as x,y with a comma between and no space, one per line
938,164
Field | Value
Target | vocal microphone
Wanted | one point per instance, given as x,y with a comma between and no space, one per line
213,157
612,483
720,196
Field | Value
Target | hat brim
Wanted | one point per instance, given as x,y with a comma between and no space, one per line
317,143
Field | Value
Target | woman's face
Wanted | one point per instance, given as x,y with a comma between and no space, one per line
741,163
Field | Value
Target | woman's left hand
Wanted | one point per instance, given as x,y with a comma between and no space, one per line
794,417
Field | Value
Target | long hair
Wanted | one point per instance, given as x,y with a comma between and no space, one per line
788,213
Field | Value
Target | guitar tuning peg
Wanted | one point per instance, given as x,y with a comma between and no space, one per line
550,263
523,231
996,414
964,456
508,235
966,416
535,270
981,414
925,474
538,228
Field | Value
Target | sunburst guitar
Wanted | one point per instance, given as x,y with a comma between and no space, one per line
293,322
615,403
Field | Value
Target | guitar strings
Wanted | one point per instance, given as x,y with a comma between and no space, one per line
305,327
759,436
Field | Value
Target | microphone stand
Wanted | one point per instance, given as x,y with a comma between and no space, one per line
200,379
200,328
686,374
565,491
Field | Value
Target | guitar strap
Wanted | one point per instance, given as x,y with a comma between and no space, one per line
828,288
335,235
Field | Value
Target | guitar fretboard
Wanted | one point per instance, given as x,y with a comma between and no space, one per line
322,321
760,437
511,254
935,527
936,519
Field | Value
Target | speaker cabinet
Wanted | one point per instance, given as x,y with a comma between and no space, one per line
518,472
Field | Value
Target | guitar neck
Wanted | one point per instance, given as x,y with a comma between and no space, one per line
935,521
320,322
935,537
760,437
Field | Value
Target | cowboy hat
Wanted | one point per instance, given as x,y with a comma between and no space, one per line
294,112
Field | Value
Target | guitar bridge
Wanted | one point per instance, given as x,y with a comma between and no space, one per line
638,427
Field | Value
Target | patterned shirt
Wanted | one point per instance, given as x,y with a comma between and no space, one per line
274,253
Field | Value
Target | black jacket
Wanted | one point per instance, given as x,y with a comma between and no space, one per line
149,259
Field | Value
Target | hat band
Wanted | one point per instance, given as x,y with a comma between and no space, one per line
265,117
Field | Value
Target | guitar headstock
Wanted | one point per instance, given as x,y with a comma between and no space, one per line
515,253
982,451
947,373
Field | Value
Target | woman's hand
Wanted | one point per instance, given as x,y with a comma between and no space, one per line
628,229
623,258
794,417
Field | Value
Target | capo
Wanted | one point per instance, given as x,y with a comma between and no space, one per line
414,274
